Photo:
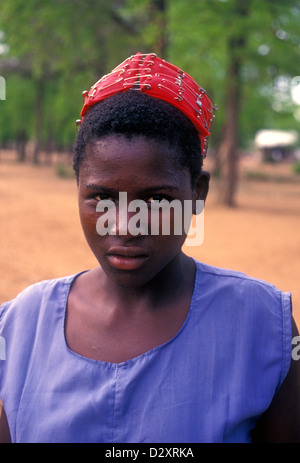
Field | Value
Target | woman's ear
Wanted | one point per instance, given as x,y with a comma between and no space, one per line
201,188
202,185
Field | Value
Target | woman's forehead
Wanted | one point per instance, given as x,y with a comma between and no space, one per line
140,148
138,157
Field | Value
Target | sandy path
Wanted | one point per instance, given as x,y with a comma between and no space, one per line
40,232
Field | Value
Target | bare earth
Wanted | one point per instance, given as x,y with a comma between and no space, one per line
41,237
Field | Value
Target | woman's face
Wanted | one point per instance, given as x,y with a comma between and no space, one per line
137,169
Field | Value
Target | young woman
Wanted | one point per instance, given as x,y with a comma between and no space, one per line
150,346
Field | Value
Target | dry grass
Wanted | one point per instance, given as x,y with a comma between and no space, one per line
41,235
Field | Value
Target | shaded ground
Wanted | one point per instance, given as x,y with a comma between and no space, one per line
40,232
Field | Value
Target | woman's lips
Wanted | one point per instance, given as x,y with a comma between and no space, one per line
126,258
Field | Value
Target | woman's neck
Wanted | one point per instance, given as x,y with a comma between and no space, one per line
176,277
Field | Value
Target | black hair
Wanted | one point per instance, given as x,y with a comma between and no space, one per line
135,113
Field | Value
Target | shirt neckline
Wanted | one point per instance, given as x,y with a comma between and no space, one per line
67,288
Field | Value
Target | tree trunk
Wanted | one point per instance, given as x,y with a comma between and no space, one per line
38,119
161,40
21,146
228,149
227,156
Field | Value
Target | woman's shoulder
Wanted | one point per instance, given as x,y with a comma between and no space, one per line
240,285
233,275
34,295
236,296
250,314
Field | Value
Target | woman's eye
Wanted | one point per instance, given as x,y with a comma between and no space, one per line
158,199
102,197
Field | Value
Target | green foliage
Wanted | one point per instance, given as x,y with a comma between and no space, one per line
69,44
201,34
296,168
59,49
16,115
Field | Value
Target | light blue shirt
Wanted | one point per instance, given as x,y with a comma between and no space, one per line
209,383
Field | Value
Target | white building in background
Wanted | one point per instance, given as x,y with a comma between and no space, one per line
277,145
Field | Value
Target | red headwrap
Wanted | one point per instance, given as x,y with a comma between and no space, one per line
160,79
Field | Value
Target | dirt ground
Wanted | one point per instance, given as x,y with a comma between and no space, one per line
41,237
